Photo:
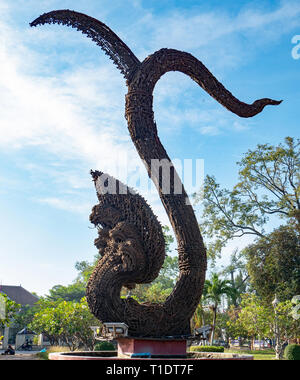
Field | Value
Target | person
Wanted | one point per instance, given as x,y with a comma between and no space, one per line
27,345
9,351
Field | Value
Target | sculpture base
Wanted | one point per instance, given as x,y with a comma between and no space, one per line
152,348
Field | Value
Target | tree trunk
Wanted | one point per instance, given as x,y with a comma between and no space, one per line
279,350
203,318
214,325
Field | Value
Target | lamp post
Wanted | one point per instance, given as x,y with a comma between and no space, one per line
275,303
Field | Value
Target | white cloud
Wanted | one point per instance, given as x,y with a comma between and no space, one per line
70,114
221,39
210,131
45,112
77,114
239,127
83,208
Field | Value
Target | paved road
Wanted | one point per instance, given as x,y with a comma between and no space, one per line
20,355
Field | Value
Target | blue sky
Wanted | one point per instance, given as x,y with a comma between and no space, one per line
62,113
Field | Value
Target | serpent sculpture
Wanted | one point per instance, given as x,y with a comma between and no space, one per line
130,240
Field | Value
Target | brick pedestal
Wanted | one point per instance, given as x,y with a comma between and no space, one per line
150,347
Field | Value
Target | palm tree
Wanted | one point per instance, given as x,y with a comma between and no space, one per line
214,289
239,281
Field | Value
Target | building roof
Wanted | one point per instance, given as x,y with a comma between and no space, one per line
19,295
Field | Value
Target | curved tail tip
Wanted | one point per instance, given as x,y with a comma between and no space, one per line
275,102
269,102
261,103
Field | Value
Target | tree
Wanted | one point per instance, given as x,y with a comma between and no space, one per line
214,289
9,310
239,281
24,316
156,293
85,269
73,292
169,239
277,171
255,317
268,186
46,320
201,316
161,287
258,319
69,322
234,327
76,326
273,263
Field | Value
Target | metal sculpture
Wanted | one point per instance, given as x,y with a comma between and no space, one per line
130,239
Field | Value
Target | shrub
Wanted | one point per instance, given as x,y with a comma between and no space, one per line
43,355
207,349
292,352
104,346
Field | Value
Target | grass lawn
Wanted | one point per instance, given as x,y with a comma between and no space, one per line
258,355
44,355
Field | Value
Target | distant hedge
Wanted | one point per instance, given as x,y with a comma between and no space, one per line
104,346
292,352
207,349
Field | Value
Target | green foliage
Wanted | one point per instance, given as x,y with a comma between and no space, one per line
207,349
234,326
67,321
11,309
255,318
162,286
225,216
24,317
274,170
201,316
85,269
273,263
215,288
268,185
73,292
104,346
168,273
51,349
168,238
239,277
292,352
289,328
156,293
265,354
213,291
43,355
